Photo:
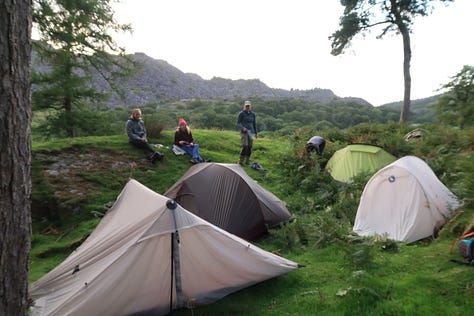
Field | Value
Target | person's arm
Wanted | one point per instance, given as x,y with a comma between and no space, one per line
176,138
130,131
191,139
144,137
255,125
240,123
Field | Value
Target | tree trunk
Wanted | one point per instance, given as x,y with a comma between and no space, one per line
68,69
15,155
405,111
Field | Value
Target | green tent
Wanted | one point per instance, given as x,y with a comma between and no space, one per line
356,159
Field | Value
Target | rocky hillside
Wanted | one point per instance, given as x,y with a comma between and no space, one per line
158,81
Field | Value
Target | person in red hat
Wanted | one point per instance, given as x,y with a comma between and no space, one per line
183,137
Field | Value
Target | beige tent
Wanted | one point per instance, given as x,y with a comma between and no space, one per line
149,256
226,196
404,201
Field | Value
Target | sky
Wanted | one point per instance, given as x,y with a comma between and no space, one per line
284,44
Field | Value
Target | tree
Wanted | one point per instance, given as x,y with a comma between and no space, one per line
391,16
15,155
75,44
456,107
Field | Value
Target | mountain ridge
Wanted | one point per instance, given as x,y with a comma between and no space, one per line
158,81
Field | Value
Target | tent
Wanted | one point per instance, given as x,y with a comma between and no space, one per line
355,159
415,135
226,196
149,256
404,201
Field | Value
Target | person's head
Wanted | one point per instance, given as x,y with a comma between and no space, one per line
309,147
182,124
136,114
247,105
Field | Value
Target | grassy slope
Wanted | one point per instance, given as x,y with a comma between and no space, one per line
416,279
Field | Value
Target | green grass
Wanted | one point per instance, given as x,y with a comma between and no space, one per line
342,275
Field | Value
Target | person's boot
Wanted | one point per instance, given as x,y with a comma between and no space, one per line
156,157
241,160
247,160
151,158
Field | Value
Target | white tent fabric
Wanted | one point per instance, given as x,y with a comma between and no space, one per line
404,201
146,257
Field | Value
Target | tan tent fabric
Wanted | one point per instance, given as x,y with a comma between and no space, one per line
226,196
128,266
404,201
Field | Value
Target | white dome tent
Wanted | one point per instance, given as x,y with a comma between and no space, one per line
404,201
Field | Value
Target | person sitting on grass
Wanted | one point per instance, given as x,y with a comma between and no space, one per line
183,138
136,132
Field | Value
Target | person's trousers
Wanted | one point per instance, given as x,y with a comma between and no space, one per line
193,151
149,151
246,139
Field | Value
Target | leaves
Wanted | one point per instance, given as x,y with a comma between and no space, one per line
75,39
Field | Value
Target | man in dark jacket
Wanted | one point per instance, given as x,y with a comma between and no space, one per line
248,130
136,132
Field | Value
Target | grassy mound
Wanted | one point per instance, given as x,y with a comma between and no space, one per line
75,181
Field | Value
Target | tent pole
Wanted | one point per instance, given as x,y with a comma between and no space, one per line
171,204
172,273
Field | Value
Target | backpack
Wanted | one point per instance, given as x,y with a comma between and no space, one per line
465,245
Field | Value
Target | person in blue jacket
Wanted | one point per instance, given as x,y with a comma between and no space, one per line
248,131
136,133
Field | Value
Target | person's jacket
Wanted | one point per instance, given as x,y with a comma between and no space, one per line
247,119
183,135
135,129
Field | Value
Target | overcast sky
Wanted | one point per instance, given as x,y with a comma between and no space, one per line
285,44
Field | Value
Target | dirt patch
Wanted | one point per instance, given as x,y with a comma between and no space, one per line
67,178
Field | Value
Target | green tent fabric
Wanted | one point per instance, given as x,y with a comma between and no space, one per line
355,159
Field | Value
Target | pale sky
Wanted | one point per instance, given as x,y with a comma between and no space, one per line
285,45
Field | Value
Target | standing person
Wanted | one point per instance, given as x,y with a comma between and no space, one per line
248,130
136,132
183,137
316,143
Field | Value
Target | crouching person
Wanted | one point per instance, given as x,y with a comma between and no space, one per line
317,144
136,132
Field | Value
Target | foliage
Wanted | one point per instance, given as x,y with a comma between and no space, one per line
280,117
74,39
82,120
421,110
360,16
456,107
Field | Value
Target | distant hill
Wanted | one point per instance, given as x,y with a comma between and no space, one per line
158,81
421,110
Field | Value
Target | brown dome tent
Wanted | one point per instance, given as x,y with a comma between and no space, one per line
224,195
